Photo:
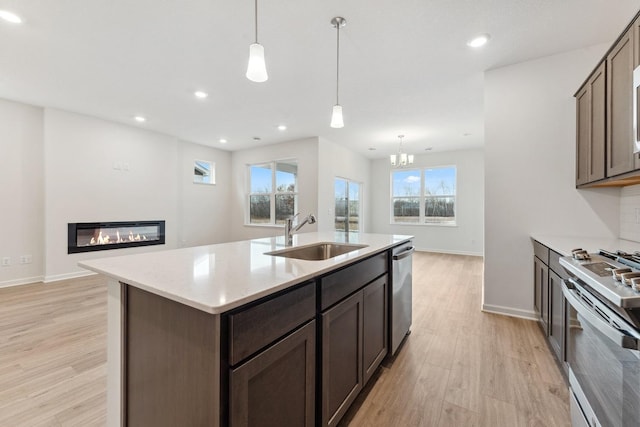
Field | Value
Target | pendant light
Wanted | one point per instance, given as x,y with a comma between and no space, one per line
401,159
257,69
336,116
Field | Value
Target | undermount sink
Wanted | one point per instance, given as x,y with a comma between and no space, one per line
317,251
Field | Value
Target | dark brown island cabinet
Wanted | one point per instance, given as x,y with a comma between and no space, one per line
604,117
295,358
354,333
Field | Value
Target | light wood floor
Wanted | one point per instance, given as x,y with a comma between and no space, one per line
459,367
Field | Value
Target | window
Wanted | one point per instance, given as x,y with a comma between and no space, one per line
273,192
347,205
424,196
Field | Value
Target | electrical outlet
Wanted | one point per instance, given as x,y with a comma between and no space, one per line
6,261
26,259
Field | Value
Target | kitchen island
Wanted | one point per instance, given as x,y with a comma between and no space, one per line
218,334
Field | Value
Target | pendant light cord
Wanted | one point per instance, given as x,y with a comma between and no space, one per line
338,63
256,18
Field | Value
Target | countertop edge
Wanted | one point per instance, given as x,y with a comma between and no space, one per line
565,244
219,309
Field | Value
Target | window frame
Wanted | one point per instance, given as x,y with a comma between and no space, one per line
272,194
423,197
360,184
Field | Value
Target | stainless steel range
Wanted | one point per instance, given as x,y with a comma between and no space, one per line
603,337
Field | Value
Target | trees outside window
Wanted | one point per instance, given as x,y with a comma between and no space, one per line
273,192
424,196
347,205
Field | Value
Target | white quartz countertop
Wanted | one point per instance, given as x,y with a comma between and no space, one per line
218,278
564,244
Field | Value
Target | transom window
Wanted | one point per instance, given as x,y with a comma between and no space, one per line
424,196
273,192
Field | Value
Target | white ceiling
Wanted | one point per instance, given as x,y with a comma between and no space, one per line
405,67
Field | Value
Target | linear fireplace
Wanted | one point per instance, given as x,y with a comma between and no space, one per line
100,236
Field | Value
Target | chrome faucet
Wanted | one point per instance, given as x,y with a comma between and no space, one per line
289,230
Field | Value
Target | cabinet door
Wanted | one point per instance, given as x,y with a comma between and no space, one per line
556,319
374,335
583,134
277,386
537,286
597,129
541,293
341,358
620,157
590,128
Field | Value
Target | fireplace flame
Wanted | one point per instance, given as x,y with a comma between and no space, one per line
107,240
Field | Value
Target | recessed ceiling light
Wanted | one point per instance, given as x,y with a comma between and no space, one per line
140,119
222,141
10,17
256,138
200,94
282,127
428,149
372,149
479,40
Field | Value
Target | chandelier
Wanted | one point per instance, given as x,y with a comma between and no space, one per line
401,159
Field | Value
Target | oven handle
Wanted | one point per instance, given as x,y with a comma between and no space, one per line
587,313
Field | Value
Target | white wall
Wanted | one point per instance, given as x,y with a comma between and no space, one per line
203,213
21,192
467,236
337,161
630,213
530,172
305,151
82,185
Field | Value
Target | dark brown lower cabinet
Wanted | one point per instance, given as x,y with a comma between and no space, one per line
341,358
277,386
374,324
541,297
556,315
354,342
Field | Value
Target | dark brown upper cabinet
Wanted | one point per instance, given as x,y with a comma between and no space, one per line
591,132
620,158
604,117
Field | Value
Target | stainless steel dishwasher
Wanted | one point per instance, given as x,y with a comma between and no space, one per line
401,294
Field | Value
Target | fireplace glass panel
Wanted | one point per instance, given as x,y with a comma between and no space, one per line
84,237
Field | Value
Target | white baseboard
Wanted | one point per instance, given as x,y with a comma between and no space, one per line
65,276
22,281
508,311
445,251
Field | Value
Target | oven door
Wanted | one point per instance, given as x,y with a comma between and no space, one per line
603,358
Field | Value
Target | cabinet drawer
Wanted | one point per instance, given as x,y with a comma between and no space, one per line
337,286
255,327
541,251
554,264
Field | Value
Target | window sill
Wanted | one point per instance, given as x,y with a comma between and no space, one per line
423,224
264,225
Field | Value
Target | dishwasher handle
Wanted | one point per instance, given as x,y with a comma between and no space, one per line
404,253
